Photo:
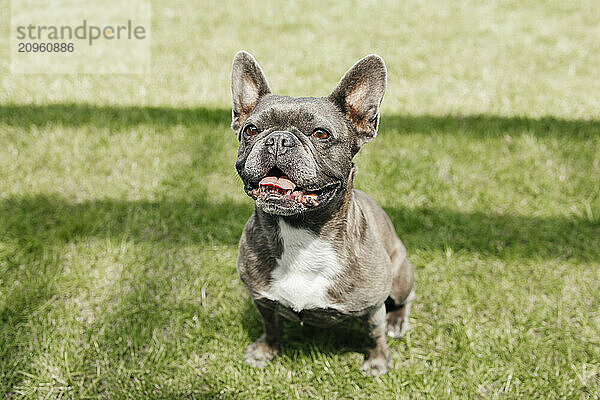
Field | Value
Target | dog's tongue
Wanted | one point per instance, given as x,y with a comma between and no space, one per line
282,182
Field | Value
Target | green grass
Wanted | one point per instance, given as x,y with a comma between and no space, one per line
120,208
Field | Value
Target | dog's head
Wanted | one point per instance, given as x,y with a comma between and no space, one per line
295,153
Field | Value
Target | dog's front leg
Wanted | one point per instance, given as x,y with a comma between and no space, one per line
259,353
378,357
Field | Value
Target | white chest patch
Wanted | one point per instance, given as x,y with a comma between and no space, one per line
306,270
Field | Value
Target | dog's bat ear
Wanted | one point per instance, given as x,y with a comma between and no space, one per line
248,85
358,95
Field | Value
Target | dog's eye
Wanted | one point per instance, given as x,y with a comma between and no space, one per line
251,130
321,134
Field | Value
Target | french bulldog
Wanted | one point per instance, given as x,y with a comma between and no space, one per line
315,250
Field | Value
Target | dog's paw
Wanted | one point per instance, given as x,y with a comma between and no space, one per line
396,327
259,353
377,361
375,366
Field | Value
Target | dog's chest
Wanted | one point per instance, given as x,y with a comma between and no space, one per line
305,271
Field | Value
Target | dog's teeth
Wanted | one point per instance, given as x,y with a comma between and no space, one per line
311,199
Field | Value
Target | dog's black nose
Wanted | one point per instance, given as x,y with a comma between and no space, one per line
279,142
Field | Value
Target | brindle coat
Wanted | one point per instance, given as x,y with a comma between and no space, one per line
376,279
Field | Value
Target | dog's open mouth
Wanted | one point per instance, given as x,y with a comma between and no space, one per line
277,187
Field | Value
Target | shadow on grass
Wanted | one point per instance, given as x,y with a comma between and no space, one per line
113,116
38,220
498,236
122,116
51,219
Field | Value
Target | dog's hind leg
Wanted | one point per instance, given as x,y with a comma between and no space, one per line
403,293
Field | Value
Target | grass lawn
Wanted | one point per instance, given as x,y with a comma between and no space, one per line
120,208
